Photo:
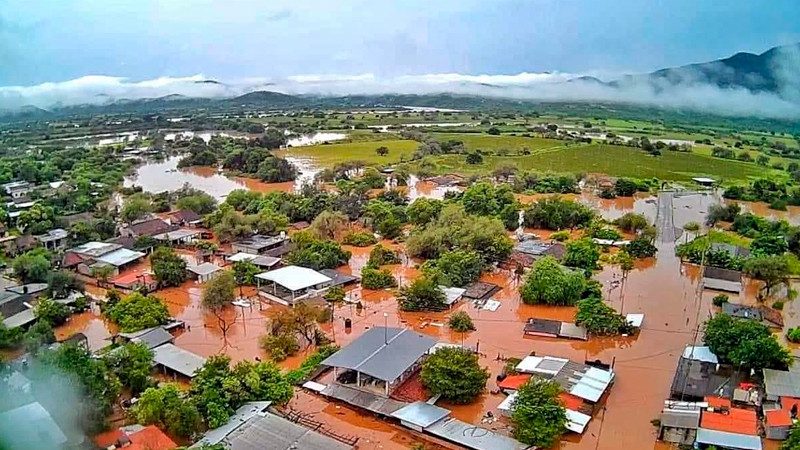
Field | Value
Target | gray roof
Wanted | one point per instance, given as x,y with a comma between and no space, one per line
539,248
782,383
32,427
21,319
370,401
30,288
383,353
719,273
154,337
680,418
473,437
270,432
12,303
53,235
259,242
206,268
421,414
175,235
728,440
242,415
95,249
338,278
177,359
120,257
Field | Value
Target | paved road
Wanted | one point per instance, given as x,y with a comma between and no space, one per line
665,225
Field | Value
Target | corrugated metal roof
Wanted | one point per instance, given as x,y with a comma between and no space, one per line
242,415
154,337
120,257
728,440
700,353
95,248
782,383
270,432
541,365
421,414
295,278
206,268
177,359
473,437
383,353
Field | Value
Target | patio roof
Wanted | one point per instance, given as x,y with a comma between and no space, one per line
177,235
728,440
295,278
206,268
421,414
177,359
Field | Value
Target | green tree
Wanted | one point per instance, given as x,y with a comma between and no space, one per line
552,284
169,409
136,312
316,254
37,219
219,389
601,319
793,441
218,293
625,187
90,375
771,270
169,269
132,363
460,321
50,311
32,266
640,248
373,278
538,416
632,222
484,199
455,374
382,150
269,222
61,283
455,268
424,210
200,202
554,213
474,158
769,244
39,334
244,273
136,207
381,256
583,254
329,224
421,295
335,294
744,343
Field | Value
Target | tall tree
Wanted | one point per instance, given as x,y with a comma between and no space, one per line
455,374
218,293
538,416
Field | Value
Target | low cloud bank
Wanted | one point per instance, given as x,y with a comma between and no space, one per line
692,88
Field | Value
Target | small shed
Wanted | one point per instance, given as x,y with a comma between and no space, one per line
452,295
778,422
339,278
679,422
204,272
720,279
478,290
704,181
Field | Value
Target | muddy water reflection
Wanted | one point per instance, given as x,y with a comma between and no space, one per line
165,176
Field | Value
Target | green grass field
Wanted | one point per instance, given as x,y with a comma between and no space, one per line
329,155
476,141
614,161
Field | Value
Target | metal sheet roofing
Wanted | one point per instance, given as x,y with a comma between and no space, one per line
295,278
120,257
452,294
728,440
473,437
383,353
700,353
177,359
95,248
577,421
270,432
542,365
242,415
782,383
30,426
154,338
421,414
206,268
178,234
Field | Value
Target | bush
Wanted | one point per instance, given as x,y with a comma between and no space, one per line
605,233
552,284
600,319
316,254
52,312
625,187
556,214
793,335
281,346
169,269
719,300
360,239
461,321
632,222
641,248
454,373
778,305
582,254
560,236
372,278
381,256
422,295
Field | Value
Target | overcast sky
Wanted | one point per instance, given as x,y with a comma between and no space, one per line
57,40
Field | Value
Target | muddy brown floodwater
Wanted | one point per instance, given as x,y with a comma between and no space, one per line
661,288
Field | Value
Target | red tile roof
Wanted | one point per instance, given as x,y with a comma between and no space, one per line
72,259
570,401
788,402
513,382
150,438
778,418
131,277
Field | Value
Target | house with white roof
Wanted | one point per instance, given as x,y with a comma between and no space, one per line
291,284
